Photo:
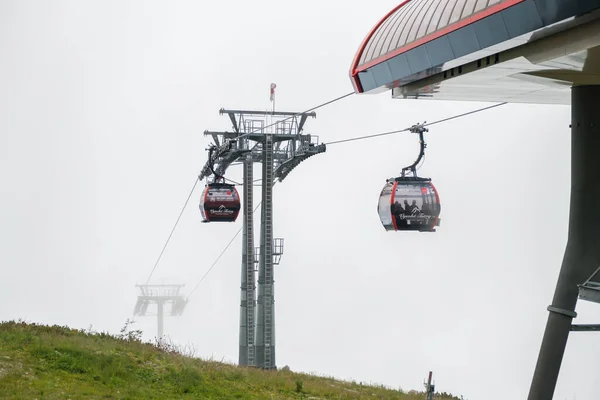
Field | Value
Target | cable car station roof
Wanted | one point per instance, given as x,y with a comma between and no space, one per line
422,47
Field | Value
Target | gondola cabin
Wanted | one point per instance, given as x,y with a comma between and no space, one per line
409,204
220,202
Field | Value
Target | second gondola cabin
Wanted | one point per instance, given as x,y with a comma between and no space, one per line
409,204
220,202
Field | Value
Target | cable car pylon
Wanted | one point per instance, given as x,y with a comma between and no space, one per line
410,203
280,150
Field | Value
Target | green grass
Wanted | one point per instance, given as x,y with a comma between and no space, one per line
53,362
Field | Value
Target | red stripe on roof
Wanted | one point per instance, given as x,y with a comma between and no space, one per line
355,69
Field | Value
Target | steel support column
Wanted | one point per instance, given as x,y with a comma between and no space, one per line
265,332
582,254
161,315
248,298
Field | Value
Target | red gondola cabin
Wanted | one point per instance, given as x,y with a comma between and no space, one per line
220,202
409,204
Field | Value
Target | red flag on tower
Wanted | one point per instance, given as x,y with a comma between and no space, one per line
272,97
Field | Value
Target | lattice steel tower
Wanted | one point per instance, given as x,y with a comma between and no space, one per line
160,295
280,146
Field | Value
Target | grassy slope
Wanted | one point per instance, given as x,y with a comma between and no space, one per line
43,362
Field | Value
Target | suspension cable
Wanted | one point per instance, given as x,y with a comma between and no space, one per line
216,261
239,137
343,141
297,114
223,252
465,114
408,129
173,230
232,181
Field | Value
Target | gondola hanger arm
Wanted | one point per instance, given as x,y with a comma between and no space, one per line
420,130
211,163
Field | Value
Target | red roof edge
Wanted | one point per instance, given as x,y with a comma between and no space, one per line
486,12
361,49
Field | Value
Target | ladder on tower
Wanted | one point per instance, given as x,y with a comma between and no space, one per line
250,306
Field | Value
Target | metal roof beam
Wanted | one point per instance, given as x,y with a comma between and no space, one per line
276,113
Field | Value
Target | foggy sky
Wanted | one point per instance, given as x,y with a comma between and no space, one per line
102,109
